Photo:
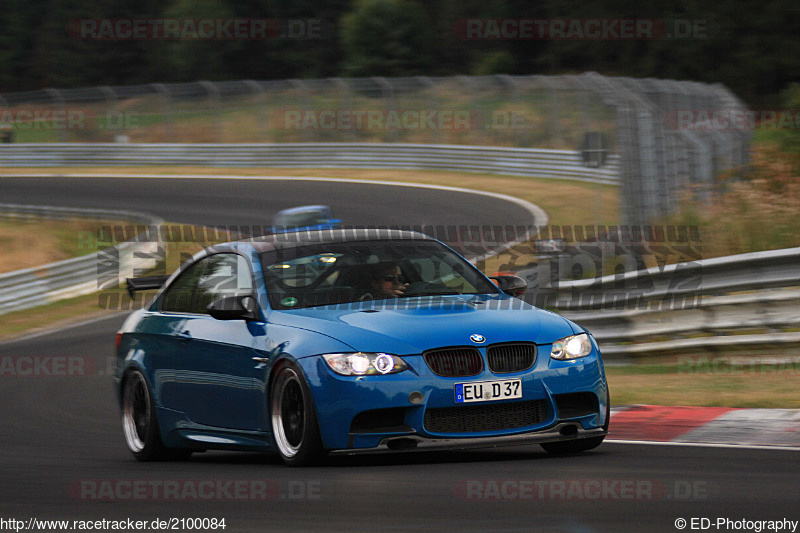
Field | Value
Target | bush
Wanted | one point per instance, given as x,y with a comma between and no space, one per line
752,210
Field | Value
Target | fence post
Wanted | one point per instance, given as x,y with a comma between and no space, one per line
165,102
344,102
427,82
305,103
112,106
58,101
213,98
387,93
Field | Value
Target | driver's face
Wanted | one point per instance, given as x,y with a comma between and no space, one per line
391,283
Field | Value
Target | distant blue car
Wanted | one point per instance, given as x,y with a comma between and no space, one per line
304,218
348,341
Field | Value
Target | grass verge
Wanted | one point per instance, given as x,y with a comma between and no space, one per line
564,202
53,241
32,242
706,382
51,316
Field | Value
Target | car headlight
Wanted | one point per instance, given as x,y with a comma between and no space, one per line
364,364
572,347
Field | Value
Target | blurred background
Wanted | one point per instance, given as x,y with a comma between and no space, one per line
674,147
749,47
615,114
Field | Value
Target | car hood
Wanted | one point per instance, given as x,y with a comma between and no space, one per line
413,325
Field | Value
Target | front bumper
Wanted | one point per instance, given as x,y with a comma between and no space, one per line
341,401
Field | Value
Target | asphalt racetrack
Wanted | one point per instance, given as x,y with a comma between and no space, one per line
253,202
62,454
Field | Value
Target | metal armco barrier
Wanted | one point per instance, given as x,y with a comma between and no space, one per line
669,286
31,287
712,305
553,164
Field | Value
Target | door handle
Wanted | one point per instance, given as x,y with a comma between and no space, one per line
184,335
261,359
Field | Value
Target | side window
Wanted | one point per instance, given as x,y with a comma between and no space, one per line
225,275
211,278
178,298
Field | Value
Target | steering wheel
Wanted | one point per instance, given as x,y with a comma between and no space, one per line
424,288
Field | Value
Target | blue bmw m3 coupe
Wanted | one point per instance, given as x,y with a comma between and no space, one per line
348,341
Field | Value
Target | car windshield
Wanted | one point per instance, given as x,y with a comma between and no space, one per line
342,273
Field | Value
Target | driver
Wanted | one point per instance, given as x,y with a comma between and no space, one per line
386,281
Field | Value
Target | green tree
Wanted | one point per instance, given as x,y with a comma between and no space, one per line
41,45
16,41
387,38
196,59
312,49
57,57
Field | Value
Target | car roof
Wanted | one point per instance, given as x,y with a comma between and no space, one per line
303,209
266,243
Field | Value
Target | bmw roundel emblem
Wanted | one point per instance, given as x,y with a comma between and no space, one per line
477,339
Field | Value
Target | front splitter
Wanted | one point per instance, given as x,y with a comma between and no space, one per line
416,443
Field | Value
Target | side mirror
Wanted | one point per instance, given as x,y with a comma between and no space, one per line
511,285
234,308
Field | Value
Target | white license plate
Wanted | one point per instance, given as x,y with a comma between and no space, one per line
487,391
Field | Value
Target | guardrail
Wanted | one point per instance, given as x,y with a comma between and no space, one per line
24,289
710,305
676,283
554,164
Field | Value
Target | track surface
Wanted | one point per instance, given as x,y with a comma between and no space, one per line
253,202
59,431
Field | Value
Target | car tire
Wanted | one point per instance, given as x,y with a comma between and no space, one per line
294,422
140,423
